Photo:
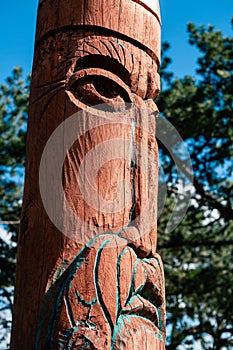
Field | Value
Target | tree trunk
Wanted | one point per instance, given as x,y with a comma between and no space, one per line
88,275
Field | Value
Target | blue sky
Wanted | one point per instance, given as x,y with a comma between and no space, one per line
18,21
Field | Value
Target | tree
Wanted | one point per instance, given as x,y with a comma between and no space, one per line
198,253
13,115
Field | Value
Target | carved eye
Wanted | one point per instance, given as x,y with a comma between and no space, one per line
99,89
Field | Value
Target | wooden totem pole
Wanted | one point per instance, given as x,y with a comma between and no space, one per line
88,275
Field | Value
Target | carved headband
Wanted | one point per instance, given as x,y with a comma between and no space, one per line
139,21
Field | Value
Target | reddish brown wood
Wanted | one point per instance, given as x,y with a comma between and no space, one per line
98,284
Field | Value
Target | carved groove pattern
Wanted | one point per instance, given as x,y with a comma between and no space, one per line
141,299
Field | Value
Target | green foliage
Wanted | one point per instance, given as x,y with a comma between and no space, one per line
13,115
198,254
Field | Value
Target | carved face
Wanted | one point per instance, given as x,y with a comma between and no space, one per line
88,74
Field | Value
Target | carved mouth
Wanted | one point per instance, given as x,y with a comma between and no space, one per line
137,305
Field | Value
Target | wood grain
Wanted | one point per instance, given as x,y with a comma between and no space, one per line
94,281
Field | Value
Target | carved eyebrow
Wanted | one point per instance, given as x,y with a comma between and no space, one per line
104,62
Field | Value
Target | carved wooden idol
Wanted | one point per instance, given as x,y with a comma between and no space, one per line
88,275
